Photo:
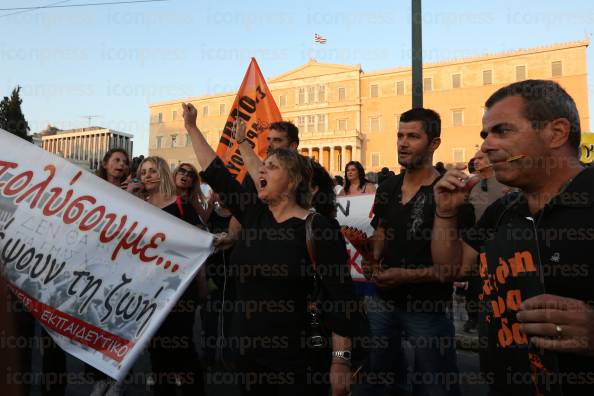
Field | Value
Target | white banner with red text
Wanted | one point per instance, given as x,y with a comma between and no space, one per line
99,268
357,212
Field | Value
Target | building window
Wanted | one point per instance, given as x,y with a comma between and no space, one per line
342,125
396,121
311,123
173,115
173,140
188,140
487,77
374,90
301,122
311,94
172,166
458,155
282,101
322,93
222,109
556,68
301,96
400,88
374,124
321,122
427,84
159,141
205,111
160,118
520,73
375,160
457,118
341,94
456,80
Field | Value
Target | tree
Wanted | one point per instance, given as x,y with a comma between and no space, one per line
12,118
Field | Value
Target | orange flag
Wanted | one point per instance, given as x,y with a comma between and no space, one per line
255,105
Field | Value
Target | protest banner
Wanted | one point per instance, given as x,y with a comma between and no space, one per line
355,212
587,148
254,105
99,268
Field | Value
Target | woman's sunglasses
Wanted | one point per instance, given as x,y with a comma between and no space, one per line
186,172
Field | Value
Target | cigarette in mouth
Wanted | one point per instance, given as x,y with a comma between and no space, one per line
510,159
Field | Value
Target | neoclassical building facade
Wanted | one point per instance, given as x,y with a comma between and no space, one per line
85,146
344,113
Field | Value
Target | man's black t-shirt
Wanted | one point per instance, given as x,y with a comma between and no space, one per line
521,256
408,232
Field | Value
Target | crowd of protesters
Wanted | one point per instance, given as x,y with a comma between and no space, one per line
485,226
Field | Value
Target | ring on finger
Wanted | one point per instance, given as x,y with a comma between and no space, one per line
558,331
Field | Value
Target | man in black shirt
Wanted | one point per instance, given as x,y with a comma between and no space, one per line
533,246
411,298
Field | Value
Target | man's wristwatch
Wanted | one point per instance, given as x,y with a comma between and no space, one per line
344,355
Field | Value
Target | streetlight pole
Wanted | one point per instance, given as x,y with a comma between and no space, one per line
417,55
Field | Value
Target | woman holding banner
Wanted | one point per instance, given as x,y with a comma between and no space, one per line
274,277
174,359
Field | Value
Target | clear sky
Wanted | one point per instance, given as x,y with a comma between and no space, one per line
112,61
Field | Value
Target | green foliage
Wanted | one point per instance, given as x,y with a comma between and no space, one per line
12,118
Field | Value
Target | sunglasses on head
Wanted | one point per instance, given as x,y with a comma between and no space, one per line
186,172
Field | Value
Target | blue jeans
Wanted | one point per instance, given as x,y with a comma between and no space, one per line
434,370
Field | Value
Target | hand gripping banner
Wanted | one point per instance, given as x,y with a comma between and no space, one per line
254,105
99,268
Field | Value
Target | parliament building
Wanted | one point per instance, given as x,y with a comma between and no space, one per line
344,113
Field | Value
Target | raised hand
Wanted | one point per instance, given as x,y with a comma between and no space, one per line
240,128
190,114
452,190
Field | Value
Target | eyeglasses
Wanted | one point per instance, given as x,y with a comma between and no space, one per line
186,172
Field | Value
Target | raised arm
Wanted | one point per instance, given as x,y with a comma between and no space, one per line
204,153
453,257
216,174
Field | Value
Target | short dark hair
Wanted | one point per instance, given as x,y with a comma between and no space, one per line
544,101
289,128
429,118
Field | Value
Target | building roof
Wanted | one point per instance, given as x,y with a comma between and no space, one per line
82,131
488,56
314,66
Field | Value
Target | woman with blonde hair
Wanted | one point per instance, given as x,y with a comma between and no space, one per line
181,361
187,181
